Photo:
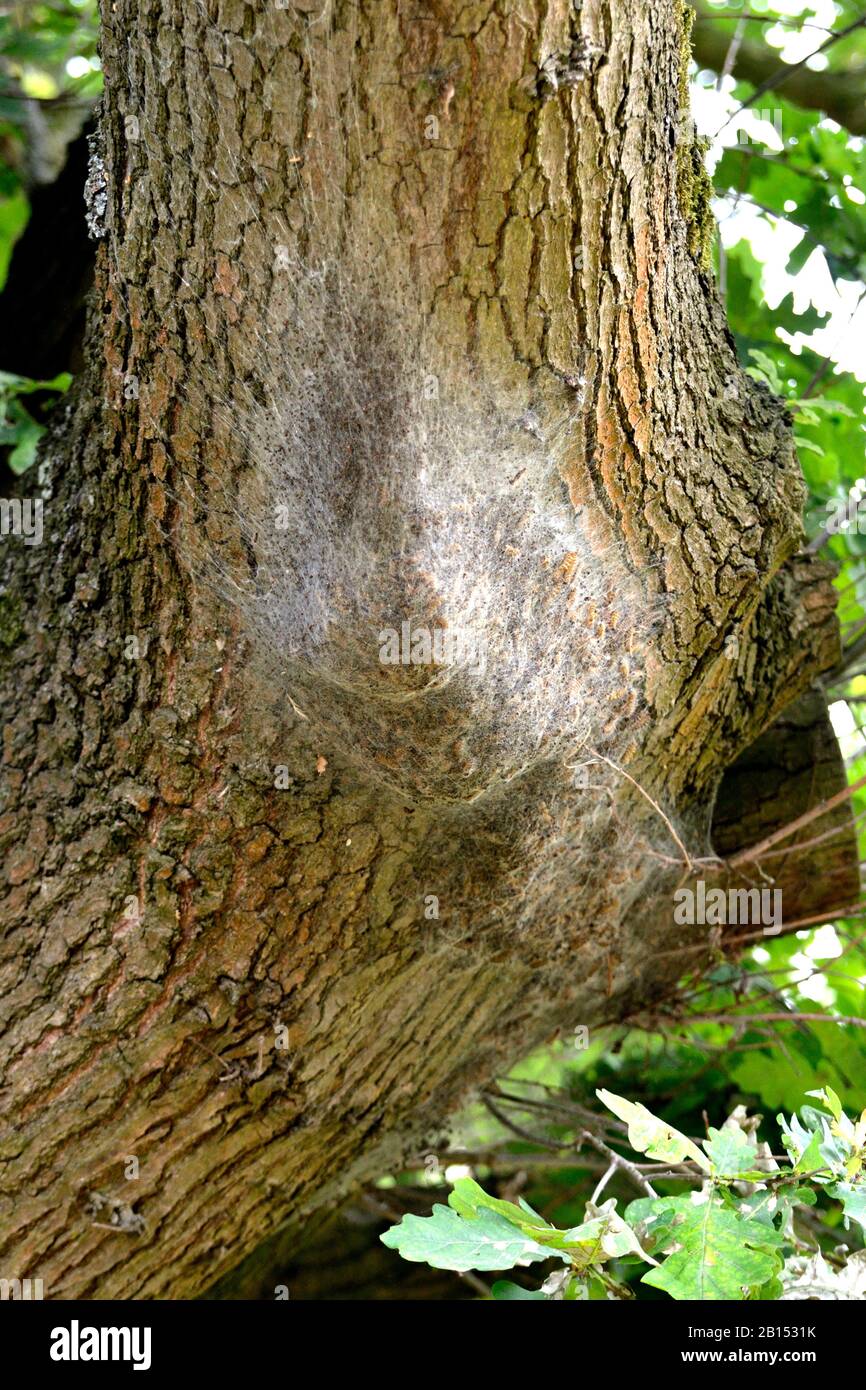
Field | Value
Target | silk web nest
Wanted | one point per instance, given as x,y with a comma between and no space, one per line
418,582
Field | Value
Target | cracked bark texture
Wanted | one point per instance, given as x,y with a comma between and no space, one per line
166,910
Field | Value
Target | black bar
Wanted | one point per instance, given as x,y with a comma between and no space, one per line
227,1340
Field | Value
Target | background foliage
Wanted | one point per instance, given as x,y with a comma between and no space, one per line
49,79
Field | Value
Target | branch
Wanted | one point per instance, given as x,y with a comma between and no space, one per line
617,1161
746,856
842,95
519,1130
654,804
816,839
788,1016
832,915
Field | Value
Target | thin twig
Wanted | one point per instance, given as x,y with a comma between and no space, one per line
731,55
617,1161
474,1282
601,757
817,839
753,852
787,70
764,19
852,910
789,1016
518,1129
830,359
603,1182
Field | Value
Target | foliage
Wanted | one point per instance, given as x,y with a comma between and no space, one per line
735,1237
48,68
18,427
804,179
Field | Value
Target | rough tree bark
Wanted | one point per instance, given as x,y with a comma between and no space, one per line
168,911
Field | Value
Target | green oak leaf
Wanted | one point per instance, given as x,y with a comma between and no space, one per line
504,1291
468,1199
654,1220
773,1206
813,1145
765,1293
718,1253
810,1159
447,1240
605,1236
650,1135
602,1238
803,443
732,1152
853,1200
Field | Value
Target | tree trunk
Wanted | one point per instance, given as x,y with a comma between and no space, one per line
402,316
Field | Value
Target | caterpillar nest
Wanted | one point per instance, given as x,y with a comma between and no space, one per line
419,583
